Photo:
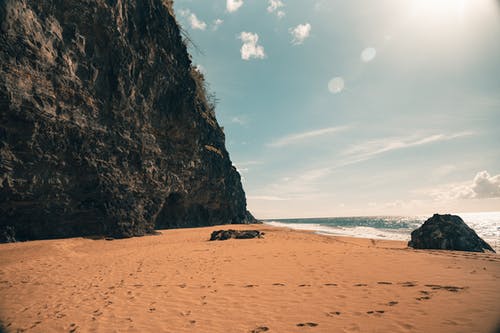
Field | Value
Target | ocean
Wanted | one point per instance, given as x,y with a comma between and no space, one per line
486,225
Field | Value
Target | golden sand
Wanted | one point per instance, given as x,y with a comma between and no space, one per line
288,281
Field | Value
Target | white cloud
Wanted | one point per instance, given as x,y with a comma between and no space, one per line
300,33
274,7
370,149
486,186
196,23
216,24
193,19
233,5
483,186
294,138
250,48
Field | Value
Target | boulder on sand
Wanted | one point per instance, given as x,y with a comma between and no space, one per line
447,232
238,234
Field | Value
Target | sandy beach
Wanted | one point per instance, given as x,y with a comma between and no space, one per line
288,281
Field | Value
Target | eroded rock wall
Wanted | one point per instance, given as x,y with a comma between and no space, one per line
104,124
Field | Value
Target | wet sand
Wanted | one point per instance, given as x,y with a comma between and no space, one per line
288,281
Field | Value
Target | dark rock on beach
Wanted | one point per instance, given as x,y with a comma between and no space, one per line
237,234
447,232
105,125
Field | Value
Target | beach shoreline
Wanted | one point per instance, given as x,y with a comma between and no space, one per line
287,281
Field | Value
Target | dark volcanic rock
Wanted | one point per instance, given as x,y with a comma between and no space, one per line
238,234
105,127
447,232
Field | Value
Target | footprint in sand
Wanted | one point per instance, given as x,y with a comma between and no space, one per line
72,328
408,284
331,284
384,282
426,295
278,284
333,313
392,303
185,313
251,285
260,329
423,298
453,289
307,324
360,285
375,311
304,285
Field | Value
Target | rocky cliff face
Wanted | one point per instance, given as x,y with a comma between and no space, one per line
104,124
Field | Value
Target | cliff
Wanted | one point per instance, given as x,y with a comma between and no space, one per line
105,128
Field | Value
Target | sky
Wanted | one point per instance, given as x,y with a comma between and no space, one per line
355,107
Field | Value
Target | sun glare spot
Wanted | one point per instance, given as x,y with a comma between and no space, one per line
439,9
368,54
336,85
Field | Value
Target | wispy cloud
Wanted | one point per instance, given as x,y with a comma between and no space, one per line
233,5
300,33
303,185
444,170
274,7
370,149
266,198
239,120
244,167
247,163
250,48
298,137
314,174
